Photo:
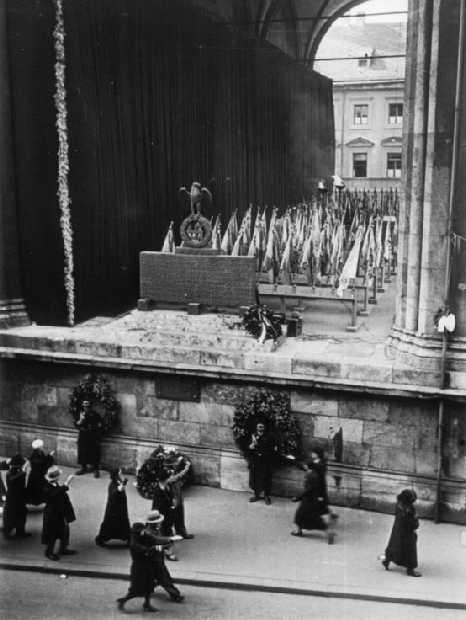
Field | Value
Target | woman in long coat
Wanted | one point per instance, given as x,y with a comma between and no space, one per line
15,511
313,504
402,546
58,514
116,522
40,463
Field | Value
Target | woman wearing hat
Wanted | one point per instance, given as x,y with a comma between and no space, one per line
40,463
313,501
116,522
58,514
402,546
148,567
14,512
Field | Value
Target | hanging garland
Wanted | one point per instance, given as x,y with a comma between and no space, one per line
98,392
273,409
64,200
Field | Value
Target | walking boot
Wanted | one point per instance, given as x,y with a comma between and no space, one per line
254,498
121,603
411,572
267,500
148,607
81,471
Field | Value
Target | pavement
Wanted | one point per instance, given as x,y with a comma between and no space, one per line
243,546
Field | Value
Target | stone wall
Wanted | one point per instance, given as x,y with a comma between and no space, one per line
388,444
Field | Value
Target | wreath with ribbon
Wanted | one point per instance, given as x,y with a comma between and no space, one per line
148,474
98,392
273,409
262,323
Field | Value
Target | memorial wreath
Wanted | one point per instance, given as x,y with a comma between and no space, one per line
98,392
147,475
262,323
273,409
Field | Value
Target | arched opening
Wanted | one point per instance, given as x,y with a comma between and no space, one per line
363,52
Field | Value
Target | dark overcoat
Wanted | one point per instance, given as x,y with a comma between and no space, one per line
312,506
90,433
261,459
163,501
58,512
146,550
116,522
14,512
402,546
40,462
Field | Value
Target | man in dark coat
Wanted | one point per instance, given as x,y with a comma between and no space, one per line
262,451
179,467
163,500
40,462
14,512
89,425
402,546
116,522
58,514
148,567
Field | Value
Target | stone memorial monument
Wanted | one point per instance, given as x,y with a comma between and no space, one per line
196,274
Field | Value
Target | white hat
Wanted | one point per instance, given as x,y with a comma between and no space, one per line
53,473
154,516
37,444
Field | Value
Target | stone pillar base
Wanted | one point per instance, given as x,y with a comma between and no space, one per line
424,353
13,313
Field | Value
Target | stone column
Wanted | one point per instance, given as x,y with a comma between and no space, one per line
408,118
12,308
419,111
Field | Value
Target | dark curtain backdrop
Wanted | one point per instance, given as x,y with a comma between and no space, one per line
158,96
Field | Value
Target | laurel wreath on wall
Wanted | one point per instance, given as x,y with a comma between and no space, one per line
273,409
101,396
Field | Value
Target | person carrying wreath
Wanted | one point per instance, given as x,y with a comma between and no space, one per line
402,546
116,522
163,500
179,466
89,425
262,450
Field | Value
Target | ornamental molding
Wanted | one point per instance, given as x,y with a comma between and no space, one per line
392,141
360,142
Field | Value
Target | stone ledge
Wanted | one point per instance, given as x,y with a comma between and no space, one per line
295,380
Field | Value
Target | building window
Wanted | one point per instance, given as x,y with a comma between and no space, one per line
395,113
394,165
361,114
360,164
